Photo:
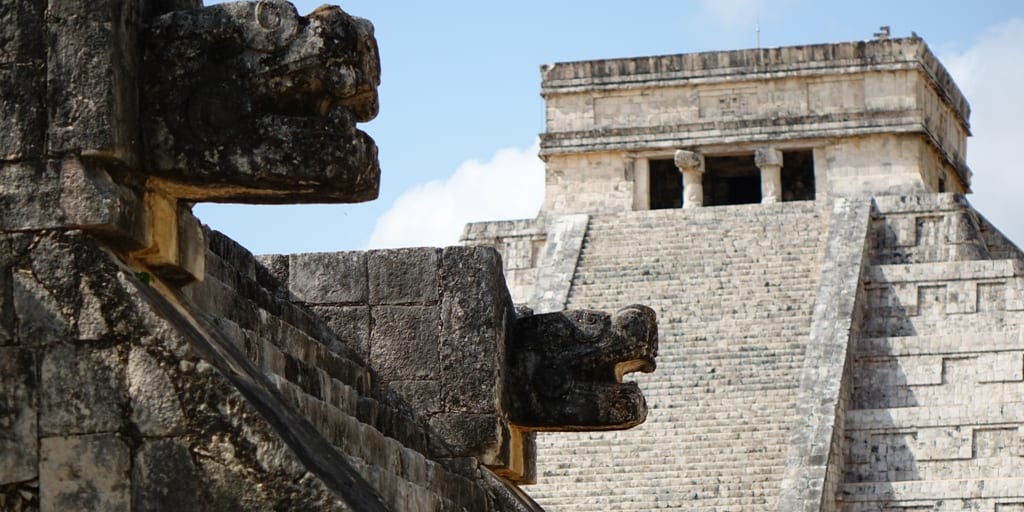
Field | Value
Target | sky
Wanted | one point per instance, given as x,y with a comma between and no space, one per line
461,109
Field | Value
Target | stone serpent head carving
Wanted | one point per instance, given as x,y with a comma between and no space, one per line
250,102
565,369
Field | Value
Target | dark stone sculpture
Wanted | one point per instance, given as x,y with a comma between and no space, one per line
250,102
565,369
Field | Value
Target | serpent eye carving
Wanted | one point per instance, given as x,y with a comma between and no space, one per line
268,15
590,323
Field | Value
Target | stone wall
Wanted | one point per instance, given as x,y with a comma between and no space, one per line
591,183
878,165
118,386
935,413
432,324
110,408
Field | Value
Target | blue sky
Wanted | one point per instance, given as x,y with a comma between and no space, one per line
460,104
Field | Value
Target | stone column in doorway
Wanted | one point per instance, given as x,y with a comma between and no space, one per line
691,164
769,160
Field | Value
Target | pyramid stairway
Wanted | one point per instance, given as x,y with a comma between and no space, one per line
733,287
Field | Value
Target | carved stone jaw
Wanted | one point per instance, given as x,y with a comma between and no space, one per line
250,102
565,369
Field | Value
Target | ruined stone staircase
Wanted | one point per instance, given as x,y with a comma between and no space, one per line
733,287
373,429
937,402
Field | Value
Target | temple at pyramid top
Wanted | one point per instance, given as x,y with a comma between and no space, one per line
875,117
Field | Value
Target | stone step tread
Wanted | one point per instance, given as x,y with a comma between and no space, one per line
978,413
944,271
939,344
977,488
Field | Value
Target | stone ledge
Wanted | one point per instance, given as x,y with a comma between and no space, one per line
889,492
943,272
896,418
899,53
938,344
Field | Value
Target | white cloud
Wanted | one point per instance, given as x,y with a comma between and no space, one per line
992,78
509,186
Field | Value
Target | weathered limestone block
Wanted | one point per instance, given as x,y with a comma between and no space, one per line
424,396
156,410
92,53
84,474
164,479
83,390
473,435
22,81
91,200
404,276
19,408
565,369
404,342
21,31
22,116
329,278
29,190
229,90
475,307
7,322
40,318
351,324
91,323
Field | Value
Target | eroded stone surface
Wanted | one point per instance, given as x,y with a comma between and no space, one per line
403,276
156,410
404,342
565,369
40,319
474,306
164,478
83,390
21,108
19,409
84,473
329,278
231,89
